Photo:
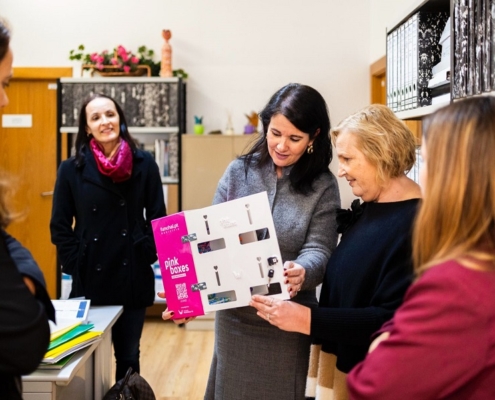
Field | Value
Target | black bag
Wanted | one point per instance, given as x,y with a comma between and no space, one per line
131,387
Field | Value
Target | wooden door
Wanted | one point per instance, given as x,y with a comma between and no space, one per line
30,156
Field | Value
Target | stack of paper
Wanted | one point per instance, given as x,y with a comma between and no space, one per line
70,333
77,338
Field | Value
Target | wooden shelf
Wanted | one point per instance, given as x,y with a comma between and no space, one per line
132,129
117,79
420,112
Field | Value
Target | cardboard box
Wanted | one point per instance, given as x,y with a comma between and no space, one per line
217,257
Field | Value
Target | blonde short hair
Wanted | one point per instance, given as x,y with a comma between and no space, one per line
383,138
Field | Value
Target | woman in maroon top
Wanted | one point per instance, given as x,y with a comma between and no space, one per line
441,342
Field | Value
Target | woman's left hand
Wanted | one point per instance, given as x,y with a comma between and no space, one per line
294,277
167,314
286,315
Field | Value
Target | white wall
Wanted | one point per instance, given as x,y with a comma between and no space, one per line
384,14
237,52
381,13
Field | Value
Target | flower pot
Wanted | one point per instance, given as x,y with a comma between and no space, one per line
110,70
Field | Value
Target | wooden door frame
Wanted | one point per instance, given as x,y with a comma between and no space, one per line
377,70
48,74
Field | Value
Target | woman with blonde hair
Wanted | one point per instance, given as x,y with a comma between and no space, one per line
371,268
441,342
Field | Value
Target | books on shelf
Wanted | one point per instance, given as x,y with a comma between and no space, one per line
474,47
413,49
165,151
166,156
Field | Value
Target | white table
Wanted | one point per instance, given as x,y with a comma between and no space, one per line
88,375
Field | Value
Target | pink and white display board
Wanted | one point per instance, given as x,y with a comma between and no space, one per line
217,257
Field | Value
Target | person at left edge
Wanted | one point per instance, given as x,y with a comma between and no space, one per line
25,306
111,190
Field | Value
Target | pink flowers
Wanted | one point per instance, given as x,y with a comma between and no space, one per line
121,58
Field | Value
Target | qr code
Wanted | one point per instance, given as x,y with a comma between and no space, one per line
181,291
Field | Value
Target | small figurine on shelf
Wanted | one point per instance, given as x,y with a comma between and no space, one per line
229,129
198,125
252,126
166,67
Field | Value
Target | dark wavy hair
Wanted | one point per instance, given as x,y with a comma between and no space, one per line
306,109
82,137
4,38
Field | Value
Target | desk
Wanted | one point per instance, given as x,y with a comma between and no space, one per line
88,375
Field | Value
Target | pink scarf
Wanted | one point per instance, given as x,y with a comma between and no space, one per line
119,167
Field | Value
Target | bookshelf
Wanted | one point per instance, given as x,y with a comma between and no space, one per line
155,112
413,44
471,64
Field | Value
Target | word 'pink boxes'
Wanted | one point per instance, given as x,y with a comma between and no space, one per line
217,257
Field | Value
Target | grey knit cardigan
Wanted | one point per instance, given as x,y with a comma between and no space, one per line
305,224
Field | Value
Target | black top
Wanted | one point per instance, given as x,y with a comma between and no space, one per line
24,329
28,267
365,281
103,233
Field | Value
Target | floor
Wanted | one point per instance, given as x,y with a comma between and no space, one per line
175,361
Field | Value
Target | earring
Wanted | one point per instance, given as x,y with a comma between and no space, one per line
310,149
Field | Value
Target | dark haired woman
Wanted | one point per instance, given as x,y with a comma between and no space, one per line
111,191
290,161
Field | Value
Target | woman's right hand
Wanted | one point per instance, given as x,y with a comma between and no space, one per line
294,277
166,315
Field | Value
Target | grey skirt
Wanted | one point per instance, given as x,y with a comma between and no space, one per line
255,360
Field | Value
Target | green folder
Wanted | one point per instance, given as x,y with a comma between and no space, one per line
58,365
74,332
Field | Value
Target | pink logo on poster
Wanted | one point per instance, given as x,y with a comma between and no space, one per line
177,266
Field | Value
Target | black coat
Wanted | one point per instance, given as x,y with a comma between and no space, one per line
24,329
28,267
110,248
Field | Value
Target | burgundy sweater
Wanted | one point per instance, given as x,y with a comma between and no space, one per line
441,344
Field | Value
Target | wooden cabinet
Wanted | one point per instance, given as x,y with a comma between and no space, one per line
204,159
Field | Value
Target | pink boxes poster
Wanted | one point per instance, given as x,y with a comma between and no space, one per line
217,257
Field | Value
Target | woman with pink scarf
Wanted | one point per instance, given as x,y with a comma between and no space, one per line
105,198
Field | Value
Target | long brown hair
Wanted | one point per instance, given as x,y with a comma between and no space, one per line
457,215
